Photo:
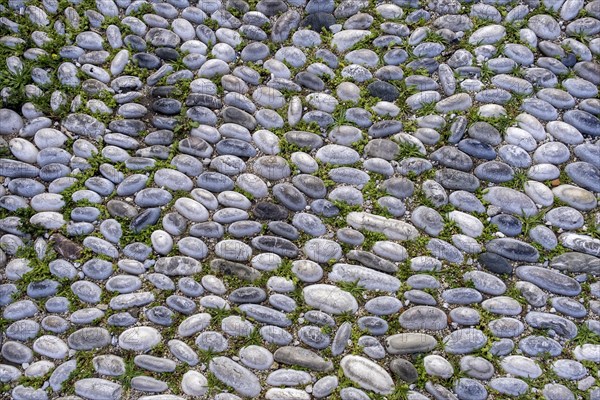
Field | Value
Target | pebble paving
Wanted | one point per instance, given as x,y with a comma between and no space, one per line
291,199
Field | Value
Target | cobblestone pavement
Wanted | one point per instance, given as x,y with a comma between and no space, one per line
292,200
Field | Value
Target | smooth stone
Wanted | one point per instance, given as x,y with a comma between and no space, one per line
462,296
506,327
495,263
12,122
487,35
521,366
50,346
410,343
329,298
423,317
536,345
575,262
367,374
292,355
470,389
502,305
233,374
139,339
325,386
485,282
464,341
569,369
96,388
513,249
548,279
509,386
465,316
366,277
89,338
560,325
585,175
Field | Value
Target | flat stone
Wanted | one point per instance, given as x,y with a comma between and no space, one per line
560,325
84,125
242,380
544,26
485,282
537,345
16,352
372,261
576,197
462,296
367,374
338,155
178,265
438,366
495,263
511,201
569,369
502,305
265,314
548,279
329,298
12,122
51,347
139,339
513,249
96,388
394,230
476,367
581,243
423,317
470,389
487,35
464,341
509,386
344,40
404,370
322,250
193,383
241,271
576,263
89,338
521,366
365,277
291,355
410,343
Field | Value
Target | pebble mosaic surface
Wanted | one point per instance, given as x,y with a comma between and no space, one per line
292,200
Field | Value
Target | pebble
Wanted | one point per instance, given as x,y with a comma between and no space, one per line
560,325
569,369
368,278
553,281
464,341
50,346
329,298
98,388
423,317
325,386
521,366
544,236
89,338
242,380
509,386
12,122
535,345
139,339
470,389
367,374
